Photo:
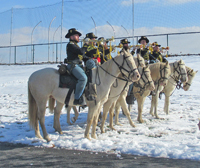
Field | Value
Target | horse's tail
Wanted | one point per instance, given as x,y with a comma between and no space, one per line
51,104
32,109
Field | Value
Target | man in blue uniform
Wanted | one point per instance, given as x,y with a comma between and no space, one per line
75,55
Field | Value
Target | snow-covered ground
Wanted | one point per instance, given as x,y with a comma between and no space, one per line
177,136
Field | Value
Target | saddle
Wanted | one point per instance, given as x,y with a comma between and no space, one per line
68,80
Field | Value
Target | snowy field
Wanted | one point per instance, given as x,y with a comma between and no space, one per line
177,136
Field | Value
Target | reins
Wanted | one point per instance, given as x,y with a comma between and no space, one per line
125,78
139,85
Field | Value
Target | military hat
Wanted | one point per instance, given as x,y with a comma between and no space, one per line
90,35
156,44
102,38
143,38
124,41
71,32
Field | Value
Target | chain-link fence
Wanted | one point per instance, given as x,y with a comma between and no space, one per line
30,35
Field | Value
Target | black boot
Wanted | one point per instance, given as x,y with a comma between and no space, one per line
79,102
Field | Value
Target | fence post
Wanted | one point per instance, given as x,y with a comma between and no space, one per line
15,55
167,43
56,52
33,53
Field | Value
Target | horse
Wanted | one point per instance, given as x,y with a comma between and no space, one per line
116,91
159,73
170,87
178,72
44,83
145,82
139,61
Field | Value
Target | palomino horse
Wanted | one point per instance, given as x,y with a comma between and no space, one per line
44,83
145,81
178,72
115,92
159,73
170,87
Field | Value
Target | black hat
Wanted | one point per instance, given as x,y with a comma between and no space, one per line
91,35
143,38
156,44
124,41
102,38
71,32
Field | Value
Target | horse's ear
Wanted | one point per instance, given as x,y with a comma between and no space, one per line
196,71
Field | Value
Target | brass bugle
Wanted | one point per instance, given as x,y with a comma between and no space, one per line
136,46
165,48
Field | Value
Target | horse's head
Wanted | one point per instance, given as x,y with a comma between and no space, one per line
179,68
165,72
139,61
146,81
191,74
128,66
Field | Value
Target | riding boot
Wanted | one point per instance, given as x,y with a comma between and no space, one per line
79,101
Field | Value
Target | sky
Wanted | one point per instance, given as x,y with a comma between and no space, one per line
111,19
175,136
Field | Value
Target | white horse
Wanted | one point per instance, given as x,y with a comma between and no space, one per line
159,73
44,83
116,91
170,87
145,82
178,72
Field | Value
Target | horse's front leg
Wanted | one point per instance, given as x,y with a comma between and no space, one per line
166,106
111,112
92,109
95,121
68,114
57,112
140,102
125,109
75,113
152,105
106,108
156,105
117,110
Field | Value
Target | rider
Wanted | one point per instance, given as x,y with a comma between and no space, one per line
144,52
125,43
103,48
156,55
92,51
74,61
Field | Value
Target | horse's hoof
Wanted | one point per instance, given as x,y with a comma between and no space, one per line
60,132
133,125
88,137
113,128
94,136
118,124
73,119
47,138
39,136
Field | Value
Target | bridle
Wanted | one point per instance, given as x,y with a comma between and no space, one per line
177,78
189,74
121,68
162,77
146,82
